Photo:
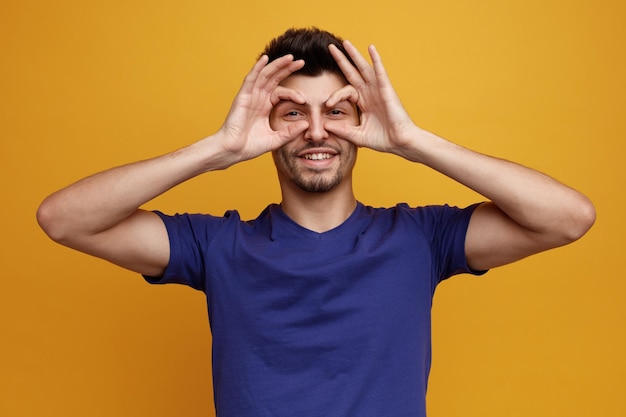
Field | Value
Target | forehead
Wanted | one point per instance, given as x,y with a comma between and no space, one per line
315,88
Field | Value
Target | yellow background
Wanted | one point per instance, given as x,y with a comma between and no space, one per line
86,85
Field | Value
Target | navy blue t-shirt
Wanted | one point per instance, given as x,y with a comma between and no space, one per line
309,324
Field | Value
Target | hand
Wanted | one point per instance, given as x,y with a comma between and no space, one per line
385,125
246,133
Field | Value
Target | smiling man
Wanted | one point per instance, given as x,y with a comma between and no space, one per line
318,163
319,307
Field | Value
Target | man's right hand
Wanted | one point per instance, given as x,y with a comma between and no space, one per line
246,133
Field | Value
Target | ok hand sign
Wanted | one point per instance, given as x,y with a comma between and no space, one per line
385,125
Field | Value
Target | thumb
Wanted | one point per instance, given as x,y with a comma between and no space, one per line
344,131
291,131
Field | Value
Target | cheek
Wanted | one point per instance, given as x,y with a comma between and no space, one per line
280,157
352,152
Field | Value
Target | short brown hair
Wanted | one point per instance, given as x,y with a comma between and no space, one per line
309,44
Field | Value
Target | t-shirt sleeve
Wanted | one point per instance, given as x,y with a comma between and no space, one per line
445,228
189,236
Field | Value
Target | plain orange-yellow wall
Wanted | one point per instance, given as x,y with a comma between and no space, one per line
86,85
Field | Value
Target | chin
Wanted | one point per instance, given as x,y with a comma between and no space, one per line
318,185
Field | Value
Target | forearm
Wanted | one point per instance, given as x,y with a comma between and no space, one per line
99,202
529,211
533,200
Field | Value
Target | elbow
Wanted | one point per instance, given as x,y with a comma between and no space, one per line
583,216
49,219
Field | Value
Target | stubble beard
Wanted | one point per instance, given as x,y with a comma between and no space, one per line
309,179
317,183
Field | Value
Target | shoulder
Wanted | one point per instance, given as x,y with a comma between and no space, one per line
432,221
198,225
427,213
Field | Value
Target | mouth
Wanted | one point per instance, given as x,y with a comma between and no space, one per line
319,156
317,153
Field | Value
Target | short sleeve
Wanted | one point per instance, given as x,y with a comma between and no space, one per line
445,228
189,236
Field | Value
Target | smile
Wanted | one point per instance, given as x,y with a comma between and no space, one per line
317,156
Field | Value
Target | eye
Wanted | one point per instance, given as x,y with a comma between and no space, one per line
336,113
342,109
293,114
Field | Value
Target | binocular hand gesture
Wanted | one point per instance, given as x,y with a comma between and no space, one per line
385,125
246,133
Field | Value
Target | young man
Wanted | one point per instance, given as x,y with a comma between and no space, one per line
321,305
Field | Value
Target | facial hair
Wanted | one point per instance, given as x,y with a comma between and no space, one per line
316,181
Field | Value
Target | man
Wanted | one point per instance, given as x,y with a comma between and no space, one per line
321,305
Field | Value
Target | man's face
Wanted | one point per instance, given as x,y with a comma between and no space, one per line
317,161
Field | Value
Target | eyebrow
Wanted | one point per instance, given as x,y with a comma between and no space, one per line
307,104
286,100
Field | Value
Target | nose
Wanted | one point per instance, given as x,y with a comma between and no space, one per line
316,130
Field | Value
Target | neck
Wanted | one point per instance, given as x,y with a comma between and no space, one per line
319,212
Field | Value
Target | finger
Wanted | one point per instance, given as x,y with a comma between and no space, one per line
364,67
252,76
276,71
284,93
377,62
347,92
344,131
375,57
291,132
351,73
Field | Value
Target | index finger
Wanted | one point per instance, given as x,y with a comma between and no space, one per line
267,76
276,71
347,92
286,94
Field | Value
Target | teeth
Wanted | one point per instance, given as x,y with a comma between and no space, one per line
317,156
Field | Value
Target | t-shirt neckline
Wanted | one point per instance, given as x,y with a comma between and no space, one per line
283,224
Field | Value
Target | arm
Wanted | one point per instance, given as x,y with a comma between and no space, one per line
529,212
100,215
